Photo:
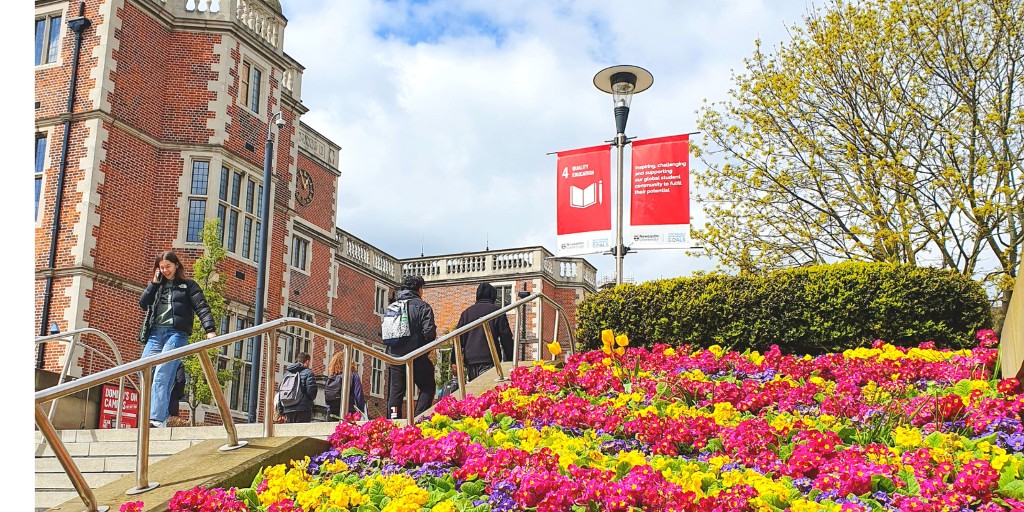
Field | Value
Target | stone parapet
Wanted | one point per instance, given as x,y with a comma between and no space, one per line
489,265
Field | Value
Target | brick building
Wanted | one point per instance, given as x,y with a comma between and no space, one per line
151,119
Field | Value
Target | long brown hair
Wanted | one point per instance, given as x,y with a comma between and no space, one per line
336,365
172,257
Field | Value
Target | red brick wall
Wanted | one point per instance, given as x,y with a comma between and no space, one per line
51,82
320,211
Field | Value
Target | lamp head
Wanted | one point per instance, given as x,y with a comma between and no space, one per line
622,82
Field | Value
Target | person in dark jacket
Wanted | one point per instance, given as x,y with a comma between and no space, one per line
302,412
423,330
177,393
475,352
172,301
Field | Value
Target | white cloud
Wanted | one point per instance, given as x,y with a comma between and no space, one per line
446,110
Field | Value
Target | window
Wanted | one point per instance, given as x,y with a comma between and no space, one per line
237,357
197,201
249,86
504,295
239,206
298,339
380,302
40,162
376,377
300,252
47,38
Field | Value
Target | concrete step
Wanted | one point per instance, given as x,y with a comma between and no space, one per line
60,481
107,455
47,499
93,464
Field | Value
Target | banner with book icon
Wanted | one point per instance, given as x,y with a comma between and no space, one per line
659,213
584,204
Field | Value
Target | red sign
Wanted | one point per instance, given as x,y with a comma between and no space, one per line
108,407
584,182
661,181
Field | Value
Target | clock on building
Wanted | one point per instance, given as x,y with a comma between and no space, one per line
304,187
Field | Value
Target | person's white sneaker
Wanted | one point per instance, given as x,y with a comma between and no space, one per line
157,424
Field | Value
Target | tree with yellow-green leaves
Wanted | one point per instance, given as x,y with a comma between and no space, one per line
882,131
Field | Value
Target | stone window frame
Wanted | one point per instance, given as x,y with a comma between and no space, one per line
511,285
48,12
237,391
305,254
377,372
244,100
218,163
380,299
40,177
299,339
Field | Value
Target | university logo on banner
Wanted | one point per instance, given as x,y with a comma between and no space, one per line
584,201
659,215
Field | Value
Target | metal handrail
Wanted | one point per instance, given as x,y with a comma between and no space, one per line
76,335
200,349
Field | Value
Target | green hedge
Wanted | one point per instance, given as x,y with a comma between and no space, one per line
824,308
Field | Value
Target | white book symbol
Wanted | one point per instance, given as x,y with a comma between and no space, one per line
584,197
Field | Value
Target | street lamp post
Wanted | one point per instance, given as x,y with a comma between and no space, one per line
622,82
261,270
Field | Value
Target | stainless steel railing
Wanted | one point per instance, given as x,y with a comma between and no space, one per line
75,338
201,348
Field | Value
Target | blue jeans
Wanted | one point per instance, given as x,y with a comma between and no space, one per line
163,339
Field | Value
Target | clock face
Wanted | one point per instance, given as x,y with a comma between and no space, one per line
304,187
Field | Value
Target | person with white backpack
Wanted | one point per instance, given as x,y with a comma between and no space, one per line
297,391
408,324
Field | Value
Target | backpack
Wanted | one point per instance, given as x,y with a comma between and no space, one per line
332,387
290,392
394,327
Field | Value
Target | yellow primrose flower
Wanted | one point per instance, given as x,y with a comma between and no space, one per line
606,361
716,350
755,357
817,381
670,351
554,348
622,340
444,506
907,437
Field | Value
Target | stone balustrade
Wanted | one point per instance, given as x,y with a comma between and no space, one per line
255,15
362,255
492,264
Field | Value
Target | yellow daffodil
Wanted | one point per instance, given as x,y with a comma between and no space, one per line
620,350
607,336
554,348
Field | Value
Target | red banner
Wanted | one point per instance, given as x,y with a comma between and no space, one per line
660,192
584,200
108,407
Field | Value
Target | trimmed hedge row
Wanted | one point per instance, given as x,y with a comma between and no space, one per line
817,309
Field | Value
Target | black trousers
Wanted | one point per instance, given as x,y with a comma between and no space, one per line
475,370
422,376
298,417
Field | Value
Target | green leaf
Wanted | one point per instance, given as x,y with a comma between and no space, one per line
1008,474
882,483
962,388
933,440
913,488
1014,490
249,496
661,389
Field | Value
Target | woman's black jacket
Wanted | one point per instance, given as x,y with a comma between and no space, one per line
186,299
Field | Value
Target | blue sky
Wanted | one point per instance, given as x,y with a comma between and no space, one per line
446,110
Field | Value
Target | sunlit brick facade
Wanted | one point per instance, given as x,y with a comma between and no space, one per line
167,132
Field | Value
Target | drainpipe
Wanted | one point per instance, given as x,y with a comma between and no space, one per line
77,25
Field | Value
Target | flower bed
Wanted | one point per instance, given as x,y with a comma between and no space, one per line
620,429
